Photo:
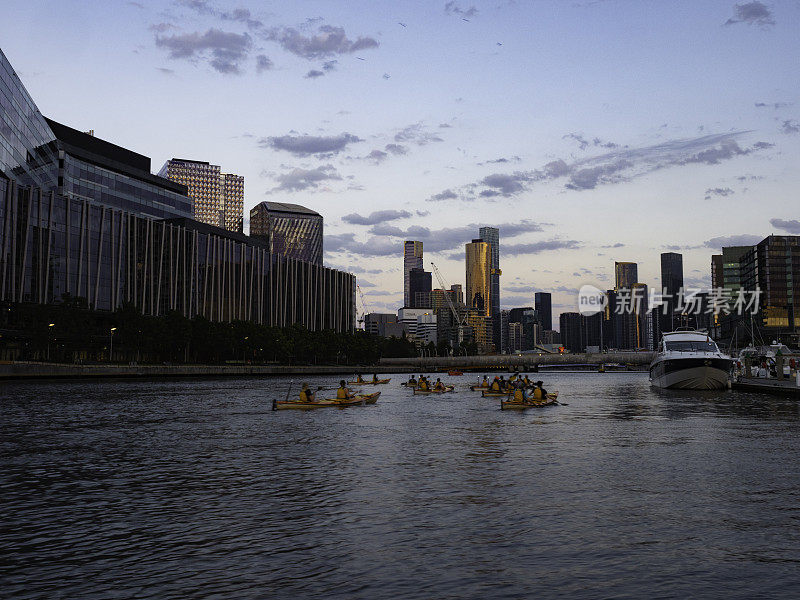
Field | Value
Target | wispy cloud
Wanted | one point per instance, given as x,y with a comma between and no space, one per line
744,239
417,133
223,50
790,126
376,217
298,179
710,192
453,8
792,226
326,42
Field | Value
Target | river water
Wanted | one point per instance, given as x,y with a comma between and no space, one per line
195,489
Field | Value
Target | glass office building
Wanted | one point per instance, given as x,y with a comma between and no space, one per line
478,292
289,229
412,259
491,235
83,218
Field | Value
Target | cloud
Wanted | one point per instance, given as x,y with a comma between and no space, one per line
307,145
165,71
752,13
718,192
199,6
452,8
622,163
304,179
775,105
376,217
447,194
396,149
790,126
345,242
263,63
792,227
377,156
223,50
328,41
539,247
313,73
744,239
418,134
242,15
582,142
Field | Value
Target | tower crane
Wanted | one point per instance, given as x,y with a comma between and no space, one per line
363,306
459,321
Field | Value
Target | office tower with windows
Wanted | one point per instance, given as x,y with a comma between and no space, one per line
625,274
412,259
290,230
491,235
218,197
420,282
544,308
671,283
478,291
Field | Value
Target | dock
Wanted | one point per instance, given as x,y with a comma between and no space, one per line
785,387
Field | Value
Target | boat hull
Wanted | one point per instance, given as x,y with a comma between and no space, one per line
379,382
359,400
420,392
691,374
517,405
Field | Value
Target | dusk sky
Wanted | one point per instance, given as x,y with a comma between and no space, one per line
587,131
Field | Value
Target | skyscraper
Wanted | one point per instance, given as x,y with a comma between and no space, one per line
625,274
420,288
671,282
491,235
412,259
544,306
289,229
218,197
478,292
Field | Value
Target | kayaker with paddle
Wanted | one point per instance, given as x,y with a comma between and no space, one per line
423,384
439,385
412,382
495,384
359,379
306,395
343,393
539,393
374,378
519,393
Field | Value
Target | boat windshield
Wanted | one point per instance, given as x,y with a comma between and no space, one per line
692,346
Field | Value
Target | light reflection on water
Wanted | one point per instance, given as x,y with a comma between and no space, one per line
195,488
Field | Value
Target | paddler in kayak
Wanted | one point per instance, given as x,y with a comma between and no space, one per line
423,384
519,393
439,386
495,387
374,378
539,393
306,395
359,379
343,393
412,382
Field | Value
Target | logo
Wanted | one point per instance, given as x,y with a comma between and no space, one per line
591,300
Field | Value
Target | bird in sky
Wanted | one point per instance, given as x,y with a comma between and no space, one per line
359,58
463,19
499,43
403,24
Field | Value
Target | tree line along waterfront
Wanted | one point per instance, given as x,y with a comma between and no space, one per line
71,332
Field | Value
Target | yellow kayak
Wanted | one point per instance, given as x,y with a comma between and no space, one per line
551,399
447,388
476,388
355,401
369,382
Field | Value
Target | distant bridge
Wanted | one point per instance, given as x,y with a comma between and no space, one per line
520,362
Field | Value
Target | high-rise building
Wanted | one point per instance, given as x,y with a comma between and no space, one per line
231,191
544,307
773,267
491,235
504,331
290,230
218,197
420,288
671,283
412,259
571,327
528,318
478,260
625,274
717,280
83,218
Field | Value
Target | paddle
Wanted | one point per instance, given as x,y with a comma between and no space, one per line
288,391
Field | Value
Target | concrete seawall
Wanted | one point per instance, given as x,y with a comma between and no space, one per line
521,362
39,370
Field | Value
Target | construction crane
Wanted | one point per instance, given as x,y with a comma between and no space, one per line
363,306
459,321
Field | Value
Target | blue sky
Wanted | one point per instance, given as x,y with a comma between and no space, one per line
588,131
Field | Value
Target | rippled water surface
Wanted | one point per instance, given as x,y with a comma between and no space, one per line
195,489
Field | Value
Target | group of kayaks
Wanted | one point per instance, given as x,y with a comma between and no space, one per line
508,400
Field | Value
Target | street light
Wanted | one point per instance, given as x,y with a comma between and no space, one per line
111,345
48,339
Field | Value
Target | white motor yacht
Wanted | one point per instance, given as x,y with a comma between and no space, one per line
690,360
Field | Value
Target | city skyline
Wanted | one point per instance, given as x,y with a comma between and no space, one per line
582,147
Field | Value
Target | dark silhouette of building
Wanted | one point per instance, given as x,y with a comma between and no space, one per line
571,327
491,235
420,288
671,284
544,307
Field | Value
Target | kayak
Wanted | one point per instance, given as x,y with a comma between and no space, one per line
490,394
455,373
356,401
551,399
368,382
477,388
411,385
447,388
